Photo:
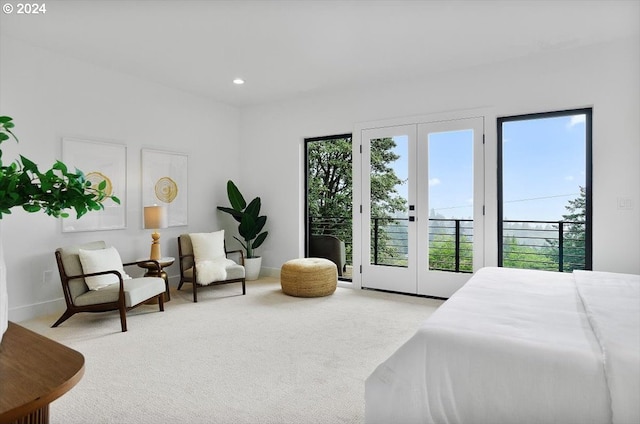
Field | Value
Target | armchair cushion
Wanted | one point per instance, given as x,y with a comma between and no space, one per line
136,290
101,260
208,246
233,271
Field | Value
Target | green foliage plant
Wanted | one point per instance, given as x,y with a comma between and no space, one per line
248,216
53,191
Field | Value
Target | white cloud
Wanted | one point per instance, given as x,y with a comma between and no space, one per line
569,178
434,182
576,119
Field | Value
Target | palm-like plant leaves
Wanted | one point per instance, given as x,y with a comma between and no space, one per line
235,197
237,215
248,216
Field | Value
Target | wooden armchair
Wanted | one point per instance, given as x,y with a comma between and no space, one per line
123,294
192,269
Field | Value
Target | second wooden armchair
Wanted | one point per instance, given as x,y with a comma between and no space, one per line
205,261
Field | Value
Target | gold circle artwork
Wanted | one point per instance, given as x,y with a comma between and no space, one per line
95,178
166,189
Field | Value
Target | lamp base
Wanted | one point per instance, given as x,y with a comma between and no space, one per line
155,247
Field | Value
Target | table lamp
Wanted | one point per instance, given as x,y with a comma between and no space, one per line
155,217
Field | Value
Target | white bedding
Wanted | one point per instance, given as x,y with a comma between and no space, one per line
519,346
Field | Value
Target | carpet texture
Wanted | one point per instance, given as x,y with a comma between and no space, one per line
261,358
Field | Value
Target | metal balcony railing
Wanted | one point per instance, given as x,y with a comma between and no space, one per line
533,244
450,243
547,245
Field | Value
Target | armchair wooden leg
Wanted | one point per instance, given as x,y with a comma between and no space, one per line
195,292
123,319
161,302
67,314
244,290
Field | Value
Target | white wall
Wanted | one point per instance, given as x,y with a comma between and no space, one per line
50,97
603,76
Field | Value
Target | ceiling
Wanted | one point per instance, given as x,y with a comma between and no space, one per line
286,49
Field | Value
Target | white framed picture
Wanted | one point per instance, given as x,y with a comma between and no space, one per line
100,161
164,182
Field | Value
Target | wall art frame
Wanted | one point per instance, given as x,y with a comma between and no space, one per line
165,183
100,161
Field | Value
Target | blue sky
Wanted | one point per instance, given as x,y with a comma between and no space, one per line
543,167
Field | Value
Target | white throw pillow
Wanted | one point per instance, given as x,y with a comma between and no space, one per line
101,260
208,246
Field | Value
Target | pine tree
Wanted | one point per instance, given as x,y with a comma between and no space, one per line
573,232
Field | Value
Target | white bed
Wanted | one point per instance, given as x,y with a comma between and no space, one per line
519,346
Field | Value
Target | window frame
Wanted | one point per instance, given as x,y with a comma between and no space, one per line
588,112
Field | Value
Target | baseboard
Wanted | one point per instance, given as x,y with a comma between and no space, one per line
270,272
50,307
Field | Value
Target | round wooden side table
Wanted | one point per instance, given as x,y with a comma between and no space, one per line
152,271
34,371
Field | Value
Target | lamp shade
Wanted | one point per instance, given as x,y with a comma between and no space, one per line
155,217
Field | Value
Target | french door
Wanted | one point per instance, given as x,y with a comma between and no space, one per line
422,206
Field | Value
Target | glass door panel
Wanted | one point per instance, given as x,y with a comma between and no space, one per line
389,205
388,252
450,194
450,200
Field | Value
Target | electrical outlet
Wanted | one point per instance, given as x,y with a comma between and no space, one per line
47,276
625,203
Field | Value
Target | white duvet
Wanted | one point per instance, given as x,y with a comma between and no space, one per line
519,346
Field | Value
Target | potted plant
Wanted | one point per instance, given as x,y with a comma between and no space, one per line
250,225
53,191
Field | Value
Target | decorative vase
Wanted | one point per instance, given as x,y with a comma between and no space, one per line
252,267
4,301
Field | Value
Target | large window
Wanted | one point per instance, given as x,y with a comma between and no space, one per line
329,200
544,191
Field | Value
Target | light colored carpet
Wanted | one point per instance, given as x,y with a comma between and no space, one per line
261,358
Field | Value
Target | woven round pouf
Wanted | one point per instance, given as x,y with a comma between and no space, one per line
309,277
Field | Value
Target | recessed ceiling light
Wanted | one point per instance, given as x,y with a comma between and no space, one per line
238,81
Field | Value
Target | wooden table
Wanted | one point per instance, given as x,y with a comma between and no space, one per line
152,271
34,371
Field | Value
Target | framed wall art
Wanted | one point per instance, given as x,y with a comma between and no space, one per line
100,161
164,182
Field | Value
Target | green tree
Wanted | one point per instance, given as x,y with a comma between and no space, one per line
329,195
385,199
330,190
387,203
516,255
574,230
442,253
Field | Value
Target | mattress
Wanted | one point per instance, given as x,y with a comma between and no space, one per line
519,346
